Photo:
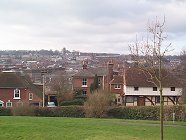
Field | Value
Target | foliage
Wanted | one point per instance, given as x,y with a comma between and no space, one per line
148,112
98,103
72,102
5,111
95,85
68,111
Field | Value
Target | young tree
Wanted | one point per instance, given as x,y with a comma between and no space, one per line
149,56
61,86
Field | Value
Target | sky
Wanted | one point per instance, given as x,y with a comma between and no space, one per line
88,25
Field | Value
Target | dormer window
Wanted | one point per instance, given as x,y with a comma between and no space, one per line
84,82
17,94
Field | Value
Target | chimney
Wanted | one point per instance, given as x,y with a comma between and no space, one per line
110,67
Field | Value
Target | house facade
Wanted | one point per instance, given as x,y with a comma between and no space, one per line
16,89
139,91
108,79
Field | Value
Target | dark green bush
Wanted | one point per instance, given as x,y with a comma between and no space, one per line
72,102
5,111
137,113
66,111
148,112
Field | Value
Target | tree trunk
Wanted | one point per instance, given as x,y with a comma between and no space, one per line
161,114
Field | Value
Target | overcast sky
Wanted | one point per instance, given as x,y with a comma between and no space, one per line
87,25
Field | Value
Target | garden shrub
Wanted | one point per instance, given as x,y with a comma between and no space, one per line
66,111
97,104
5,111
148,112
72,102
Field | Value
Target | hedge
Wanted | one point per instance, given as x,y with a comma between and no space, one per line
142,113
5,111
148,112
72,102
67,111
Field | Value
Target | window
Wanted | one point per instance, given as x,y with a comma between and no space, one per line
8,104
117,86
157,99
155,88
136,88
17,94
30,96
1,103
84,82
84,92
172,88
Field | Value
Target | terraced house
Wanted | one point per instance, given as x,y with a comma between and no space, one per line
16,88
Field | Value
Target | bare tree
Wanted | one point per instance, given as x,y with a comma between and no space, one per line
149,55
61,86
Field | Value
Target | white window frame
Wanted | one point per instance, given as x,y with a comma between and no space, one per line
18,92
1,102
84,82
117,86
30,96
8,102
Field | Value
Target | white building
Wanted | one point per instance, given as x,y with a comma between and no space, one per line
141,91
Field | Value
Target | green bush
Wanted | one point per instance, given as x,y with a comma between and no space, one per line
66,111
72,102
148,112
5,111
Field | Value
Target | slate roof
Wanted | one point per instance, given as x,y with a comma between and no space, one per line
90,72
84,73
11,80
136,77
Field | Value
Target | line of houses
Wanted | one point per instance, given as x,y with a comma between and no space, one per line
129,85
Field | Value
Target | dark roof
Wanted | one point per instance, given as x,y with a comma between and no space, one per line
84,73
137,77
100,71
117,80
11,80
91,72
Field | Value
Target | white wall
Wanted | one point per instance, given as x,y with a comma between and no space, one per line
149,91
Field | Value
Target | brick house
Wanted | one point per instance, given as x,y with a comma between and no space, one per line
108,79
139,91
16,88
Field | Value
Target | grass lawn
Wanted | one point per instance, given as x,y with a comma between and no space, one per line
43,128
